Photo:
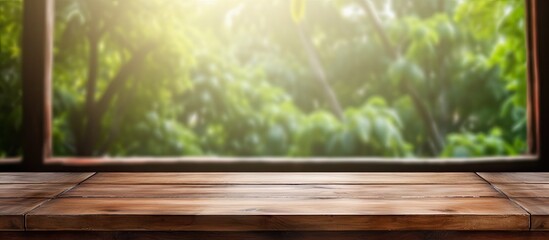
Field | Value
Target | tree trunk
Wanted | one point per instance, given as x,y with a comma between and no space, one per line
86,139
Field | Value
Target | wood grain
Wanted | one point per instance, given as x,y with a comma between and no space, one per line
282,191
36,74
277,214
539,210
42,177
262,202
293,235
286,178
32,190
524,190
13,210
516,177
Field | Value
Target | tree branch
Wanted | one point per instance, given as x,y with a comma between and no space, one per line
372,15
122,102
315,64
123,74
422,108
98,108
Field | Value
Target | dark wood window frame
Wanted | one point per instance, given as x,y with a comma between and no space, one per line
38,22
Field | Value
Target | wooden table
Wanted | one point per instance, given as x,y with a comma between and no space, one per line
274,205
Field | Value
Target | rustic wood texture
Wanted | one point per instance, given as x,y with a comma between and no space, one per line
224,214
32,190
516,178
37,62
282,191
13,210
286,178
278,235
539,211
523,190
42,177
263,202
529,190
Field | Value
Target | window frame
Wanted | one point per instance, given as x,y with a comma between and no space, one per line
37,63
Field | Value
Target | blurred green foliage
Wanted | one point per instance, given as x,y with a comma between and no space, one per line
10,78
422,78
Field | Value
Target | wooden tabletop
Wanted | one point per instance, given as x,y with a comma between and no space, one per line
274,201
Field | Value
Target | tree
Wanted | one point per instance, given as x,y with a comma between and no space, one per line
282,78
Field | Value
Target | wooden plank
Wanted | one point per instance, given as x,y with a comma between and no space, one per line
365,235
516,177
278,214
32,190
13,210
282,191
37,62
286,178
42,177
539,57
524,190
539,210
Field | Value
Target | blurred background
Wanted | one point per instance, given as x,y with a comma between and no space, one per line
339,78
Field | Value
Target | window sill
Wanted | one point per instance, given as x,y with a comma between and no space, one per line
281,164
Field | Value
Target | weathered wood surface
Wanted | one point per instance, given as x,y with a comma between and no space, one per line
225,214
539,210
286,178
41,177
264,202
26,190
529,190
283,191
22,192
13,210
516,178
523,190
